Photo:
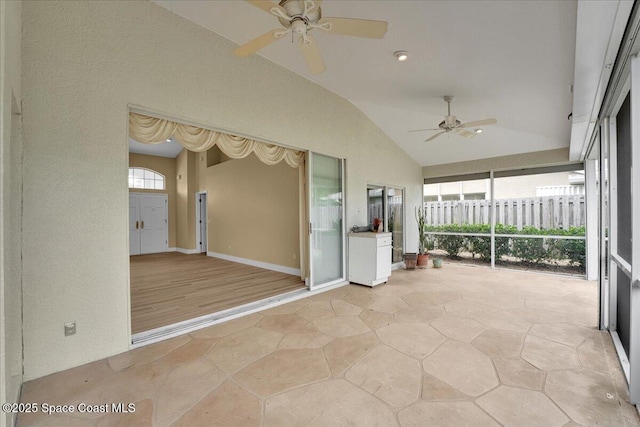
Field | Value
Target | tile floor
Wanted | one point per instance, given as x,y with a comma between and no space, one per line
456,346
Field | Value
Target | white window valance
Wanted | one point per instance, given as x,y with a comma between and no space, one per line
152,130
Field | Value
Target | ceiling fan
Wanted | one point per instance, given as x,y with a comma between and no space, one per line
299,17
451,124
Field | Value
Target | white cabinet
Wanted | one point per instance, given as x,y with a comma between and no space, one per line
369,258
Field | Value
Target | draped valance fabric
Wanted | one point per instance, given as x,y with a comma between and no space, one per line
152,130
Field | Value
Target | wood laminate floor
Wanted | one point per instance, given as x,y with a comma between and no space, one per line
171,287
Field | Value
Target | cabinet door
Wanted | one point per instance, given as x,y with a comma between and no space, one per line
383,266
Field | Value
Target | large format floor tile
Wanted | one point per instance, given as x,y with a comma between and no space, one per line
458,346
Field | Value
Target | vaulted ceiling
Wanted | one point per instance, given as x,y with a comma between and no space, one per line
512,60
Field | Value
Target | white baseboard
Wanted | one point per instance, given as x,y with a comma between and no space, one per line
185,251
260,264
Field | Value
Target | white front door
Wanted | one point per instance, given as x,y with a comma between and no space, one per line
134,225
152,230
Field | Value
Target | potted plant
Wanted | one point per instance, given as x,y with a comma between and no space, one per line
410,260
423,254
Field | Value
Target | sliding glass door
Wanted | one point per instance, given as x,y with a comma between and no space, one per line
326,226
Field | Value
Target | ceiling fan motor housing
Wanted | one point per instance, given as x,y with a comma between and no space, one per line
295,9
450,122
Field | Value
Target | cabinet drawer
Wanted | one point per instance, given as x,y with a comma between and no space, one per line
384,241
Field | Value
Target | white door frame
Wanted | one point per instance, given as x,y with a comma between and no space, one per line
198,219
634,327
310,165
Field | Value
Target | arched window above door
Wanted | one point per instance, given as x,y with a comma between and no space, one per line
146,179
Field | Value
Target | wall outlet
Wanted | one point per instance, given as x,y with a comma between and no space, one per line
69,328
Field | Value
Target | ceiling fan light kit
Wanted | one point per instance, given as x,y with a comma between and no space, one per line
451,124
299,17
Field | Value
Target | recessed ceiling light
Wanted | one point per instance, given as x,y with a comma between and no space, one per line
401,55
478,130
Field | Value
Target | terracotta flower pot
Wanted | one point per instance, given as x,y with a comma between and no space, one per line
423,261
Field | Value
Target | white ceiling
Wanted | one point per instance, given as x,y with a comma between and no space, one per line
512,60
165,149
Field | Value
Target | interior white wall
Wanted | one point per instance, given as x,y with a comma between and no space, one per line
10,187
84,62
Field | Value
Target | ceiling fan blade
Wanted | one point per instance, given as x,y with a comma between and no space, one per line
316,4
435,136
421,130
257,43
485,122
311,54
464,133
356,27
266,6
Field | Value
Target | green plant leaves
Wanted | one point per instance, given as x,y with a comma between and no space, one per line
530,250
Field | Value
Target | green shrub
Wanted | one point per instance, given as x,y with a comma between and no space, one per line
453,245
532,250
574,250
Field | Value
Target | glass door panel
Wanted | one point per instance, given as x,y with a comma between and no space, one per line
326,212
396,222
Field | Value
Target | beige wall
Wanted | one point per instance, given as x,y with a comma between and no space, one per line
91,60
505,188
537,158
185,192
10,207
525,186
253,211
167,167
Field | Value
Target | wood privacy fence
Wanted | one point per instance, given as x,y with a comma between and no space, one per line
539,212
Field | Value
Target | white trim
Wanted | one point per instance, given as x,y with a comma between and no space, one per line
603,225
197,224
170,331
492,217
622,264
613,223
634,321
260,264
592,204
398,266
622,356
186,251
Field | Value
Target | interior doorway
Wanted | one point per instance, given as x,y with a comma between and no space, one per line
202,222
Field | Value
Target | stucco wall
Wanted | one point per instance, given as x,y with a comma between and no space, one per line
10,207
83,63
